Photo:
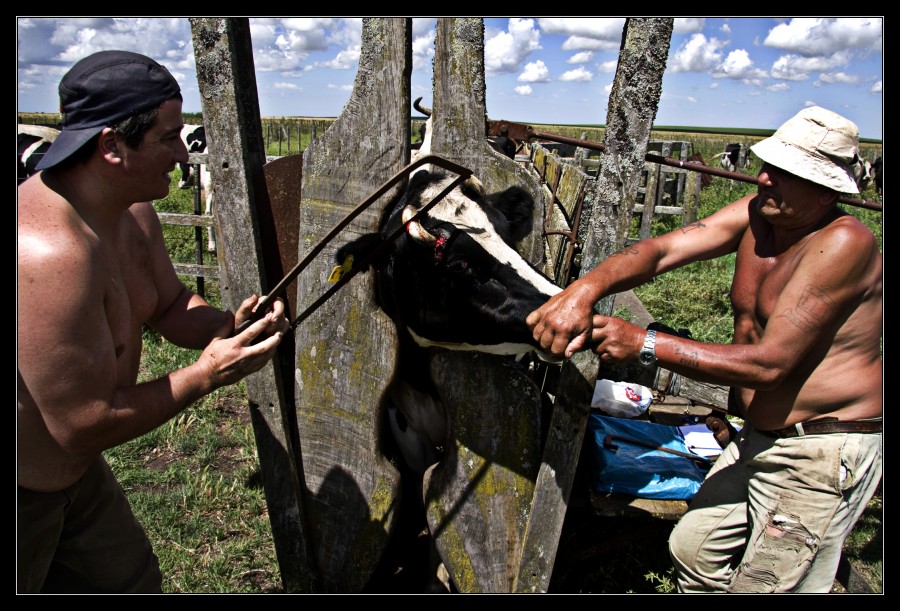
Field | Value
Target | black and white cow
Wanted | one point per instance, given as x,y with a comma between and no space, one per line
863,172
731,156
32,142
194,137
453,280
876,171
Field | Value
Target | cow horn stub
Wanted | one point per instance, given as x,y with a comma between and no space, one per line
422,109
415,229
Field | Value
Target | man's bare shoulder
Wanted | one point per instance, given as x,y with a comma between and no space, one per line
847,235
846,251
48,232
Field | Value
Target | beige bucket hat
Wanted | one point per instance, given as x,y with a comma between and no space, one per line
816,144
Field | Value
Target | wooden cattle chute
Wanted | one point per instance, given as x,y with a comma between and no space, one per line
316,410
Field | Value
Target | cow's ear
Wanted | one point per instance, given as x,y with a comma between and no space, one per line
473,189
359,249
517,205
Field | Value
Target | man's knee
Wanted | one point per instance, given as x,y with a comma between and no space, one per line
777,561
684,542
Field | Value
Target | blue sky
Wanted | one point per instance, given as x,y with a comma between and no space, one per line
721,72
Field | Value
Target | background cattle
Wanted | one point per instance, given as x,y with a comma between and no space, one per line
705,179
194,137
876,171
863,172
31,143
731,157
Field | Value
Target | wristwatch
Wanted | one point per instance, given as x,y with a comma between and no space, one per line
647,357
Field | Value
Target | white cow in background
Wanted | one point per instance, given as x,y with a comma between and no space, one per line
32,142
730,158
194,137
863,173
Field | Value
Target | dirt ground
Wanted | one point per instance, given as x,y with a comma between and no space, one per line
595,554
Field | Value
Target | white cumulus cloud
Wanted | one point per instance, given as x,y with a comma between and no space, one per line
578,74
697,54
534,72
505,52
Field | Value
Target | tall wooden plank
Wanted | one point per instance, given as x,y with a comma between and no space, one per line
478,496
559,461
227,83
608,204
346,349
460,111
633,103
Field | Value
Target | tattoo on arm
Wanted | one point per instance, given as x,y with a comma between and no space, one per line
814,305
628,250
688,358
693,226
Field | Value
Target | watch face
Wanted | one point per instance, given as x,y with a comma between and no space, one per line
647,358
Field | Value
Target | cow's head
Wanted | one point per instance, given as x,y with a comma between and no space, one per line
863,172
453,279
194,138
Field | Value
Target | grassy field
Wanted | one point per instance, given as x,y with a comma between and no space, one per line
290,135
196,487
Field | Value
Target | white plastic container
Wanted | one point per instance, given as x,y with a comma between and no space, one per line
621,399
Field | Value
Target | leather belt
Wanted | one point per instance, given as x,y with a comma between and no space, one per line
826,425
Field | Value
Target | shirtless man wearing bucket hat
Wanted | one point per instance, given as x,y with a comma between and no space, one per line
804,367
92,270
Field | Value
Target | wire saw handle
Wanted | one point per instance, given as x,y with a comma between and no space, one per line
255,315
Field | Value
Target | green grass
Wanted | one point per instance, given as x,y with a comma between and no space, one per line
195,484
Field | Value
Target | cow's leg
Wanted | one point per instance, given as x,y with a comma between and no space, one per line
211,240
206,181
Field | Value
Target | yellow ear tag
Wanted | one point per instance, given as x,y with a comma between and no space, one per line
338,272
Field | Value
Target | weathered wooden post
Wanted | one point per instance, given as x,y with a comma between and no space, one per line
227,82
346,349
604,226
632,108
478,497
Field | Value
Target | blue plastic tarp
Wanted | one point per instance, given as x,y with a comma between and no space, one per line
624,467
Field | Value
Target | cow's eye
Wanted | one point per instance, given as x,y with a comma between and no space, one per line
458,265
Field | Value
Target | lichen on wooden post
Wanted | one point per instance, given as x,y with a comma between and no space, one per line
633,103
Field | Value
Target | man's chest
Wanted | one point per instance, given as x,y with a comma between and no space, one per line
759,281
131,286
